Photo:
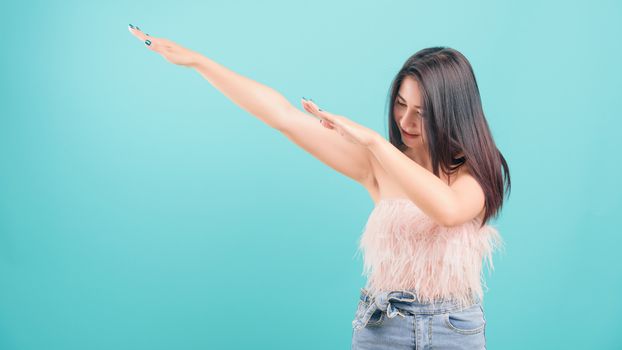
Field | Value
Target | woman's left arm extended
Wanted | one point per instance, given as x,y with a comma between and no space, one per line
447,205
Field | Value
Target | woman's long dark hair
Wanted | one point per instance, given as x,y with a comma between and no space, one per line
454,121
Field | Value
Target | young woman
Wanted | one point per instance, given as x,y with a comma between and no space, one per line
436,183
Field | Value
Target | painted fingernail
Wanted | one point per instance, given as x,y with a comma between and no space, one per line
131,26
137,28
304,98
319,109
147,34
148,42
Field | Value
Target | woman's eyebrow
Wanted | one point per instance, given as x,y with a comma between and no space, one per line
400,96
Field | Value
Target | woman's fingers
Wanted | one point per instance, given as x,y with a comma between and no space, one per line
152,43
328,125
137,33
312,108
309,108
170,51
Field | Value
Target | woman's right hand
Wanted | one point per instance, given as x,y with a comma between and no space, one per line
171,51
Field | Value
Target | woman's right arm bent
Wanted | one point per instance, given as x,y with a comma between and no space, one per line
273,109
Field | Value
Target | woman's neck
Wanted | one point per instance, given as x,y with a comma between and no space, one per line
419,156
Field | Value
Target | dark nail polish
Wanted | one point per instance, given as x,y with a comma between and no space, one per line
137,28
131,26
148,42
319,109
304,98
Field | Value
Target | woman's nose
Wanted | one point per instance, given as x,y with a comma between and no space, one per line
408,124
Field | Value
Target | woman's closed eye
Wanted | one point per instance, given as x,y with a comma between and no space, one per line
404,105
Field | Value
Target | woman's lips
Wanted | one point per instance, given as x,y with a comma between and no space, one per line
409,135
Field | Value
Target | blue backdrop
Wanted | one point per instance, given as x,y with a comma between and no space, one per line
142,209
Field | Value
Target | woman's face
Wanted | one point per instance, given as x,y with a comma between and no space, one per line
408,113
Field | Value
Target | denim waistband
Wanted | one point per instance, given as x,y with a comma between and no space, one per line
404,302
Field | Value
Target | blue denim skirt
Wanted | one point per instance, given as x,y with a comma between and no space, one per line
397,320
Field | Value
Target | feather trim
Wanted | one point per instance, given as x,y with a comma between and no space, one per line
403,248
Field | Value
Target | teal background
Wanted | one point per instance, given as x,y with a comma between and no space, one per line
142,209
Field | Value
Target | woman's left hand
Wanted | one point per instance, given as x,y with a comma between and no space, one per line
171,51
351,131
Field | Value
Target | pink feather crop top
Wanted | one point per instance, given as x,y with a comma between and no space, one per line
403,248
